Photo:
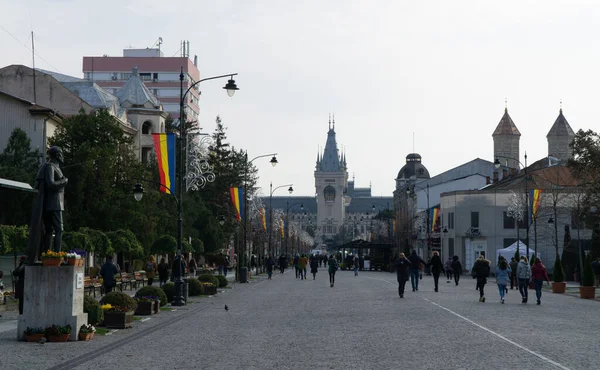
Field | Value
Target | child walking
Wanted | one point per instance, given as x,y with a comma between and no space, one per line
503,271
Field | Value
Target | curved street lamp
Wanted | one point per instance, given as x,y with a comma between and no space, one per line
271,191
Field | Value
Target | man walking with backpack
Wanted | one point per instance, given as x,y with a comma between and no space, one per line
482,271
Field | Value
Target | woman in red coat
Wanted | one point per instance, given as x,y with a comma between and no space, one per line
538,275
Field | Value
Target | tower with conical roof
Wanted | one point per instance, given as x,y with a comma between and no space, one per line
506,141
331,181
560,137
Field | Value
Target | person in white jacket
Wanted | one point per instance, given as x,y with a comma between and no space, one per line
524,276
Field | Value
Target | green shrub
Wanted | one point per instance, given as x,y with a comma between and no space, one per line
588,275
222,281
532,260
153,291
93,309
208,278
195,287
558,275
119,299
169,289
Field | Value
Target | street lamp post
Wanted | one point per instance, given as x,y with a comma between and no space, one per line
271,191
243,275
287,221
411,191
497,164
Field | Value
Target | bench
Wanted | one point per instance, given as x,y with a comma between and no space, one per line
90,285
140,278
126,279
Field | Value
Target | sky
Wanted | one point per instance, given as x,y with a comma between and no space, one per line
429,76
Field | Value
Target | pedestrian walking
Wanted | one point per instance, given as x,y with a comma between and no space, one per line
302,262
482,271
513,275
456,269
415,267
281,262
270,264
356,265
314,266
19,276
163,272
150,269
596,270
226,263
524,275
108,272
448,269
296,265
333,267
503,272
538,274
192,267
436,267
402,269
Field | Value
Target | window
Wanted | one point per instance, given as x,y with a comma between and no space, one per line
147,128
451,220
450,246
474,219
155,76
329,194
146,76
523,223
509,222
146,155
125,76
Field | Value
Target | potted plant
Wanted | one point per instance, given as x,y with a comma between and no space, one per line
587,290
56,333
209,288
75,257
154,291
145,305
51,258
34,334
558,277
86,332
118,310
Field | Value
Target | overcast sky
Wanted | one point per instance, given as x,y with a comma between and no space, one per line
386,69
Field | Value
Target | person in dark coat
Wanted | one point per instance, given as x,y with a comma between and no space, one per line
402,267
482,271
456,269
513,273
163,272
108,271
270,264
436,267
281,262
415,266
19,275
314,266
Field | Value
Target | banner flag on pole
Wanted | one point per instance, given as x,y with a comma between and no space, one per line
164,146
263,218
282,228
237,197
434,214
534,203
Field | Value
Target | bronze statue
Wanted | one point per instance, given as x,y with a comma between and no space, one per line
46,217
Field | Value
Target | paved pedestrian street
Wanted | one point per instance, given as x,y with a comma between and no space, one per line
361,323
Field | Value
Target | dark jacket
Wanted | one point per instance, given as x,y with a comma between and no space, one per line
314,266
163,271
457,266
402,267
436,265
513,267
481,268
415,261
108,272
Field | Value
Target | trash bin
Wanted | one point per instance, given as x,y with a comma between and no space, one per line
186,290
243,274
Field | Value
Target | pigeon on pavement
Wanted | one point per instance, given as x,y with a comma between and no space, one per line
226,308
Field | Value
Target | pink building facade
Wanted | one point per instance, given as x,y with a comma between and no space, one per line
159,74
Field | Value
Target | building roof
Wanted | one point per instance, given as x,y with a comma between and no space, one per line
506,126
413,167
92,94
59,76
17,185
561,127
330,161
135,93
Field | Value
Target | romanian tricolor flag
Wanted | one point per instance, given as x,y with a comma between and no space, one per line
435,213
164,146
282,228
237,197
535,196
263,218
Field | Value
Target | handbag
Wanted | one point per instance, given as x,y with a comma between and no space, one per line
420,276
531,284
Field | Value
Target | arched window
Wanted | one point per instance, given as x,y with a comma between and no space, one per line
329,194
147,128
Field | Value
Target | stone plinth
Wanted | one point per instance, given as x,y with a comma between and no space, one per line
53,296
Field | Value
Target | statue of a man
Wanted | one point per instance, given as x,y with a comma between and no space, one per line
46,217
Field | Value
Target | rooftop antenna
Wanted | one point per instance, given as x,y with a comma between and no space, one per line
159,44
505,103
33,64
561,105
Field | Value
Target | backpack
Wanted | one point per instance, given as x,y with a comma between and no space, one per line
149,267
484,269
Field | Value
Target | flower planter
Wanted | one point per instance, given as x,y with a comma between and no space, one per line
208,290
51,261
86,336
34,337
145,308
559,287
59,338
587,292
118,320
73,262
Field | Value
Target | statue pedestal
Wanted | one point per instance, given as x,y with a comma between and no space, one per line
53,296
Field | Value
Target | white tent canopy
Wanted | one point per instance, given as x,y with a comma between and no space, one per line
509,251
